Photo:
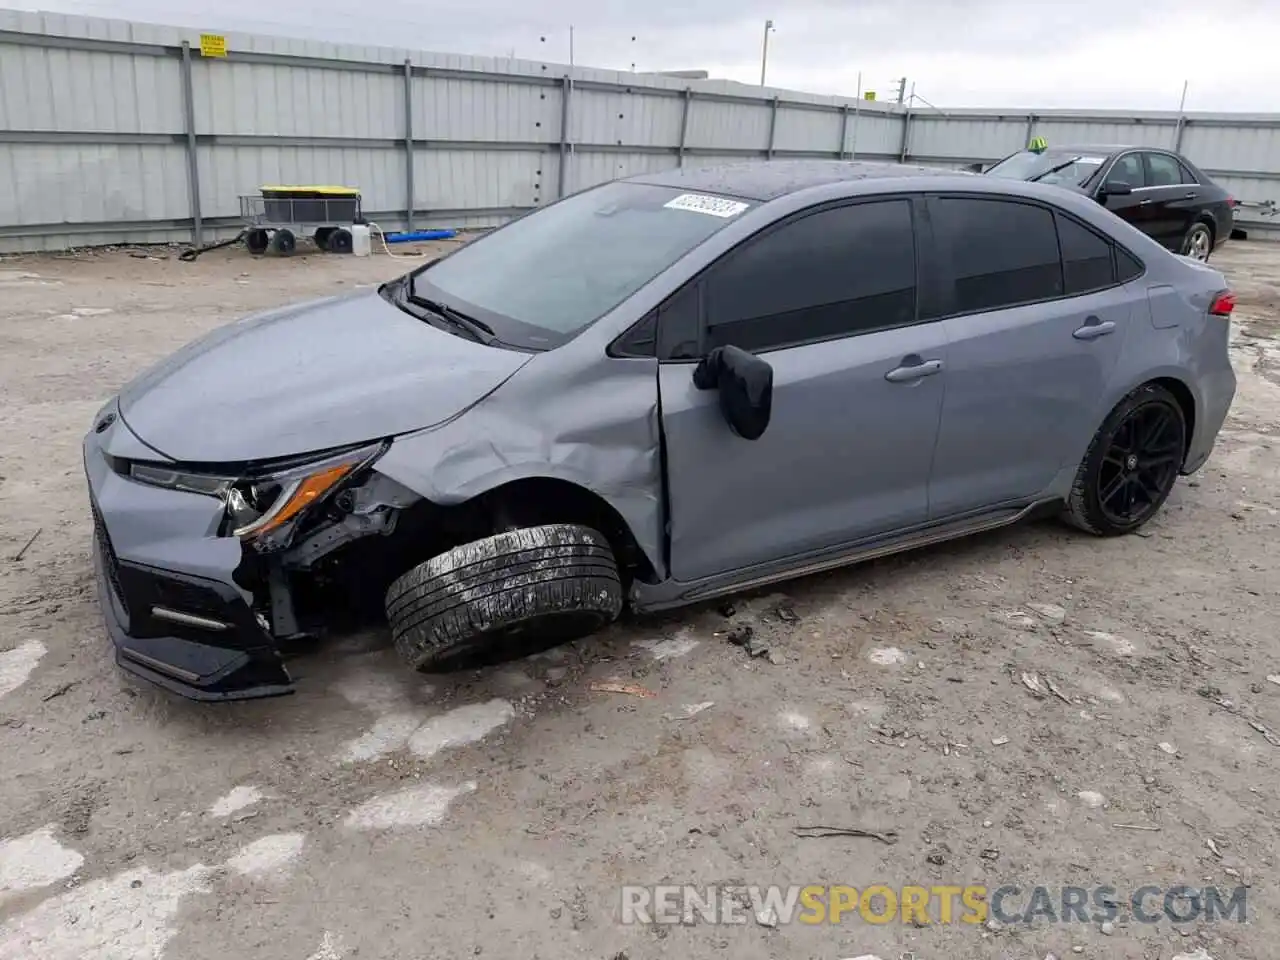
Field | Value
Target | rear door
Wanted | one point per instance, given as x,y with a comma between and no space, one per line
1175,198
829,299
1034,324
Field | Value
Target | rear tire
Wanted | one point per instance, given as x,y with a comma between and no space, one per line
340,241
257,241
1198,243
504,597
322,236
1131,465
284,242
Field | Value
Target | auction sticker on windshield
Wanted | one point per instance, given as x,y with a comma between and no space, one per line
701,203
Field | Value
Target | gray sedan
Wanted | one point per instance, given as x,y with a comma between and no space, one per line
651,393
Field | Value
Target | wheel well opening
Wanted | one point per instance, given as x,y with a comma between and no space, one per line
1185,401
538,500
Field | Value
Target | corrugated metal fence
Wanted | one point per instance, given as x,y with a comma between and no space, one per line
121,132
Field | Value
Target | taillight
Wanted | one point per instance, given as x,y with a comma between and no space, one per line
1231,201
1223,304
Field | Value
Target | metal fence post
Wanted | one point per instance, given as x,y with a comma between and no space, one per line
1177,134
773,129
566,91
906,136
1031,130
193,165
684,124
408,146
844,131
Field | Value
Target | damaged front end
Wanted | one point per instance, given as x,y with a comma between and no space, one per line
209,574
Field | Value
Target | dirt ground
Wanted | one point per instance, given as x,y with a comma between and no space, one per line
377,815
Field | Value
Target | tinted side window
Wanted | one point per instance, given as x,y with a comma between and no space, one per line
1086,258
1163,170
1128,169
1187,175
833,273
1128,267
1002,253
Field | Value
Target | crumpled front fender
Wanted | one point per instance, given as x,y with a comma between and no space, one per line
596,426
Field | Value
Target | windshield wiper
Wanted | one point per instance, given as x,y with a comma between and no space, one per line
477,329
1061,166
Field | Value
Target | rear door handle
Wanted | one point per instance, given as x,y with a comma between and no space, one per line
1144,201
913,371
1094,328
1191,196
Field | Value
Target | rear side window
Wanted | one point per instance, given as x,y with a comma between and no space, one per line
1002,253
834,273
1163,171
1086,258
1128,267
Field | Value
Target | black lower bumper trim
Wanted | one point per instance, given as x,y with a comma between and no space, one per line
191,669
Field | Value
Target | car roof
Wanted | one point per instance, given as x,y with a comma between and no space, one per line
1105,148
764,181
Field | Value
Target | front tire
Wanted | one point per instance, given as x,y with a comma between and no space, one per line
1131,465
504,597
1198,243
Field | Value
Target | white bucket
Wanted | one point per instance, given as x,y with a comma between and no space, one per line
361,245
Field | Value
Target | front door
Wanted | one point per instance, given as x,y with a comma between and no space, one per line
1033,335
1135,207
828,299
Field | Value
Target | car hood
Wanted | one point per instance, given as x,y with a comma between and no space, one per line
312,376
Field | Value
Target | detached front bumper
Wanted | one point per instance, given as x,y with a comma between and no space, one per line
173,610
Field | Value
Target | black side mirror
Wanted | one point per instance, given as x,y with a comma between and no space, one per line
745,384
1115,188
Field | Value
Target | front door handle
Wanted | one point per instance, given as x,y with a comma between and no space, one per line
1144,201
913,371
1094,328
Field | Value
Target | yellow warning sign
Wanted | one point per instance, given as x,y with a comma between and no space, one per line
213,45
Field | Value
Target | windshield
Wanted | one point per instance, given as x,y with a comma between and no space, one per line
1072,167
542,278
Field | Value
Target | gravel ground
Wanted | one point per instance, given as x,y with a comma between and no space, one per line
375,815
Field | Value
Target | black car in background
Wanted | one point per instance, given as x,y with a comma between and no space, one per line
1160,192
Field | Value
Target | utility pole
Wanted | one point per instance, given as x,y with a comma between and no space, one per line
764,52
902,90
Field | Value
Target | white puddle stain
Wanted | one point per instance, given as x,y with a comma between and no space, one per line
666,647
330,948
887,656
35,860
459,726
17,664
1091,798
388,735
239,798
131,914
423,804
128,915
796,721
268,856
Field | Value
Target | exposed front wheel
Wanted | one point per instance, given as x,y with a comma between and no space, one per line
504,597
1132,464
1198,243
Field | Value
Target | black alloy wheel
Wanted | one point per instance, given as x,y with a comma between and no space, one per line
1131,465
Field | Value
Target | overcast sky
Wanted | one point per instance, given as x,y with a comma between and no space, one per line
966,53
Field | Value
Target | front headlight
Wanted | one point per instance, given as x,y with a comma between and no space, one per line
266,502
259,505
